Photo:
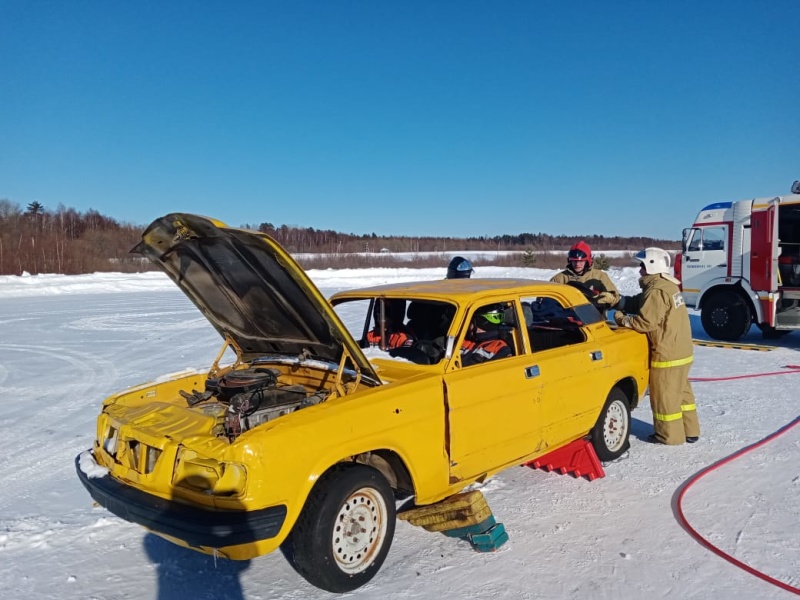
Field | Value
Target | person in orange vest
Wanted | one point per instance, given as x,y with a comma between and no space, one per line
395,332
483,342
660,313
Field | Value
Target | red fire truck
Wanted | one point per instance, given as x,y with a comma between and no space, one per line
740,264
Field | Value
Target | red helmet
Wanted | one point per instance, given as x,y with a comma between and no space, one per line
580,251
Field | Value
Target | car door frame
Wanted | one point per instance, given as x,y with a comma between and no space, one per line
492,408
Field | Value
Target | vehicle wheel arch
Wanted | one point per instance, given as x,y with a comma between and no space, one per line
728,320
630,388
391,465
739,287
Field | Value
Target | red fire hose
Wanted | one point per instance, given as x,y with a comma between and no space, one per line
790,369
692,480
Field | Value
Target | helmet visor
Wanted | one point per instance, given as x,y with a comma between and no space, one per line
576,254
494,317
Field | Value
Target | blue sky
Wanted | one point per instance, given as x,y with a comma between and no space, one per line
446,118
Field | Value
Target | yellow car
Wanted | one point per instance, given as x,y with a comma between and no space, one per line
331,411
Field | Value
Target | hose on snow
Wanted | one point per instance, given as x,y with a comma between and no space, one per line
678,507
790,369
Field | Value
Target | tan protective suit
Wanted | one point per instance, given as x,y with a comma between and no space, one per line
660,313
595,279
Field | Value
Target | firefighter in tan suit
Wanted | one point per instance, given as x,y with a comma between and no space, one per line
580,269
660,313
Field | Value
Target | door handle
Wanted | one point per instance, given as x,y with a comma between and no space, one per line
531,372
596,355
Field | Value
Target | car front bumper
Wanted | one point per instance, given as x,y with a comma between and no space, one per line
196,527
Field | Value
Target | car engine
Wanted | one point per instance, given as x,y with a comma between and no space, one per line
253,396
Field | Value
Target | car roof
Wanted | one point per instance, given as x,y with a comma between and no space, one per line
461,290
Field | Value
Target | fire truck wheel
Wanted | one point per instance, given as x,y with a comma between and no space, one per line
726,316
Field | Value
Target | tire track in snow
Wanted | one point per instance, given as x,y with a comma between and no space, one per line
28,466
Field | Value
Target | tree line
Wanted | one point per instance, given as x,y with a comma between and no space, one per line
308,239
66,241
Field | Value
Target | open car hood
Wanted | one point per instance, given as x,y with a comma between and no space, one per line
249,288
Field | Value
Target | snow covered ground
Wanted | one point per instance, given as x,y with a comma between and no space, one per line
68,342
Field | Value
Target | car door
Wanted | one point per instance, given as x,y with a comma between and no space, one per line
493,407
564,360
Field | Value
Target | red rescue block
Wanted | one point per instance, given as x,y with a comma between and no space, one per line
577,458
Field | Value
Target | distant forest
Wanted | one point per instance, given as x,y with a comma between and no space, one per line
66,241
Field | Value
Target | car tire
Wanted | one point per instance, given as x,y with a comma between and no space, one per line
610,436
726,316
345,530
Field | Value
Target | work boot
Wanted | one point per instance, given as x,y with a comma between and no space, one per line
691,439
652,439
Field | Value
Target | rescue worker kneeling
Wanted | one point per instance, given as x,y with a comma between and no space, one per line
483,341
660,313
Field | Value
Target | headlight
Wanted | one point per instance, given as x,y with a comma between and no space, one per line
151,457
208,475
110,441
232,481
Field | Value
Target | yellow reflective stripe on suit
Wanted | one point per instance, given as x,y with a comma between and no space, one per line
672,417
675,416
665,364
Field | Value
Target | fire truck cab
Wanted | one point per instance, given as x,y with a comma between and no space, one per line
740,264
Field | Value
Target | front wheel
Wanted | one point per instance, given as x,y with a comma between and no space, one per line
726,316
610,436
345,529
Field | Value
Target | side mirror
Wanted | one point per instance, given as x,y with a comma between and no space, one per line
686,233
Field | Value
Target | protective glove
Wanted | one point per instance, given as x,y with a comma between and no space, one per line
619,318
606,299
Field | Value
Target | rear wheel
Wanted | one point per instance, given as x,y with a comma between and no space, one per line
345,530
726,316
610,436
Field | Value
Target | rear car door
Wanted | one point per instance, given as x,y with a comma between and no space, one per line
566,360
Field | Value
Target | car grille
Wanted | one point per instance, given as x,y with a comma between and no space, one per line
130,452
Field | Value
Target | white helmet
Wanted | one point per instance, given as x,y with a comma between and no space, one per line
654,260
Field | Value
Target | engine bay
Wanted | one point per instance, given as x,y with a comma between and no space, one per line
242,399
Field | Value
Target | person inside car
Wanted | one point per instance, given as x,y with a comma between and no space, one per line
395,333
483,341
